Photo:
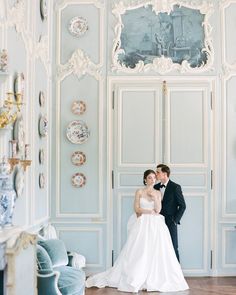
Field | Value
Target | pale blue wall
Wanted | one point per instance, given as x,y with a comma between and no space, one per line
20,33
83,216
80,213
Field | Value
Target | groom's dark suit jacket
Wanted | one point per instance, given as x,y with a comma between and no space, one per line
173,207
173,204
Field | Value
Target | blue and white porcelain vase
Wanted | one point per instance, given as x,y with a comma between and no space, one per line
7,194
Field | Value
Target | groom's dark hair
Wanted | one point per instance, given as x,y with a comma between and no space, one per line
164,168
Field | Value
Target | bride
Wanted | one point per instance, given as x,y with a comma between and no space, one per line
147,260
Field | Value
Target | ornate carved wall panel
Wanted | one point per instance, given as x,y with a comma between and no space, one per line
79,189
162,36
228,187
27,40
227,205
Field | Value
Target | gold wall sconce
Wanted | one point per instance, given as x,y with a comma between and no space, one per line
25,163
13,102
13,160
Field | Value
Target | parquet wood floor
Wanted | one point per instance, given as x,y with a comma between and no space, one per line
198,286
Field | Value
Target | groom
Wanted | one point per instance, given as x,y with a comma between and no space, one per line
173,204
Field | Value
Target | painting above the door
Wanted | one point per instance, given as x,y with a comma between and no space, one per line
163,37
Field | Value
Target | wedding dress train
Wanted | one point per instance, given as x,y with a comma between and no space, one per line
147,260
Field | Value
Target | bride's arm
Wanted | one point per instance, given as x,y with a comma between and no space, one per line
157,202
138,210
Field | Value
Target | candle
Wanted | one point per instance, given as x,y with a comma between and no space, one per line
10,149
10,84
13,148
18,83
27,151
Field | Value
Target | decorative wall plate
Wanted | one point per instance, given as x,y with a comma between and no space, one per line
41,156
78,179
78,26
77,132
43,9
19,182
78,158
41,99
19,135
41,180
78,107
43,126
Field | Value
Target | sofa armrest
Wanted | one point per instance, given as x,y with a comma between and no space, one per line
76,260
47,283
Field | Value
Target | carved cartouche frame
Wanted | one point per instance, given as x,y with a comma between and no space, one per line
163,63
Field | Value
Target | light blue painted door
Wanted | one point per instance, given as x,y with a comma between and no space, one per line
153,124
137,147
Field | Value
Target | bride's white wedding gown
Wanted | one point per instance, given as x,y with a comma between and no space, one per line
147,260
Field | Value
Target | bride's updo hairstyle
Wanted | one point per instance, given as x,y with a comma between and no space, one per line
146,173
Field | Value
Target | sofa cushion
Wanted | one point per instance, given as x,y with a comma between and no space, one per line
56,251
43,259
71,280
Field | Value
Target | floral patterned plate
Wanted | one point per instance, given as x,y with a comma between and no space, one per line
41,156
78,107
77,132
78,180
78,26
41,180
43,126
43,9
19,135
41,98
19,182
78,158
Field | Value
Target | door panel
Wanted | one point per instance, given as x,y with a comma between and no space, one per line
137,147
172,126
194,220
188,129
187,105
136,127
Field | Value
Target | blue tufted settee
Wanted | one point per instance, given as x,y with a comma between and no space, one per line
56,274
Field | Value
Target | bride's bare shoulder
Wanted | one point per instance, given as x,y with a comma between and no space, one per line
139,192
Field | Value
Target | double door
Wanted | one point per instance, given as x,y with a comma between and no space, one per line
165,122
